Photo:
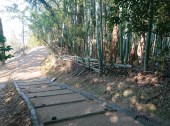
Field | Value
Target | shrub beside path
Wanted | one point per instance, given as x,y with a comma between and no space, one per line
57,105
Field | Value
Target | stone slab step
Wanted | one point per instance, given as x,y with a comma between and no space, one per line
48,93
37,86
40,89
106,119
56,99
27,81
32,83
66,110
21,85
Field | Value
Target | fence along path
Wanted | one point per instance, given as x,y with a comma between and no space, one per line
60,105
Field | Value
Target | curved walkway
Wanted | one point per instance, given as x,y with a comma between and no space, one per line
60,105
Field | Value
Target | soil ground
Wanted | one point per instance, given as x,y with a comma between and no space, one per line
143,94
13,109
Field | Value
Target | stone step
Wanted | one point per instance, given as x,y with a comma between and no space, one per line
37,86
30,85
40,89
30,81
56,99
106,119
48,93
67,110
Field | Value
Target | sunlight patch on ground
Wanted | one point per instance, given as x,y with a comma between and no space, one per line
121,84
21,102
140,106
115,97
38,72
151,107
108,88
110,83
36,48
127,92
77,85
114,119
8,99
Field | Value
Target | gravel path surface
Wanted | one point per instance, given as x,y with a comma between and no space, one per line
64,104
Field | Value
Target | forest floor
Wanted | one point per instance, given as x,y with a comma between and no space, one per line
143,94
13,109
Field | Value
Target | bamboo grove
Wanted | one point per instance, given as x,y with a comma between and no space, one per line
112,31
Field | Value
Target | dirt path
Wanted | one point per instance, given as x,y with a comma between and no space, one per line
58,105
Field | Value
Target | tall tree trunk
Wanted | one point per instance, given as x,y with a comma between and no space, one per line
148,36
121,45
98,37
62,31
86,29
114,42
2,53
101,27
121,38
62,40
133,53
143,51
106,32
74,22
90,32
140,48
124,47
154,46
161,45
127,48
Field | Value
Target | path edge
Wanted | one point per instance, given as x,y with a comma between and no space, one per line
135,117
34,118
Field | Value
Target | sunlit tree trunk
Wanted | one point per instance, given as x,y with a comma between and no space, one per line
127,48
86,32
64,8
114,42
90,31
62,40
154,46
133,53
98,37
140,49
124,46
